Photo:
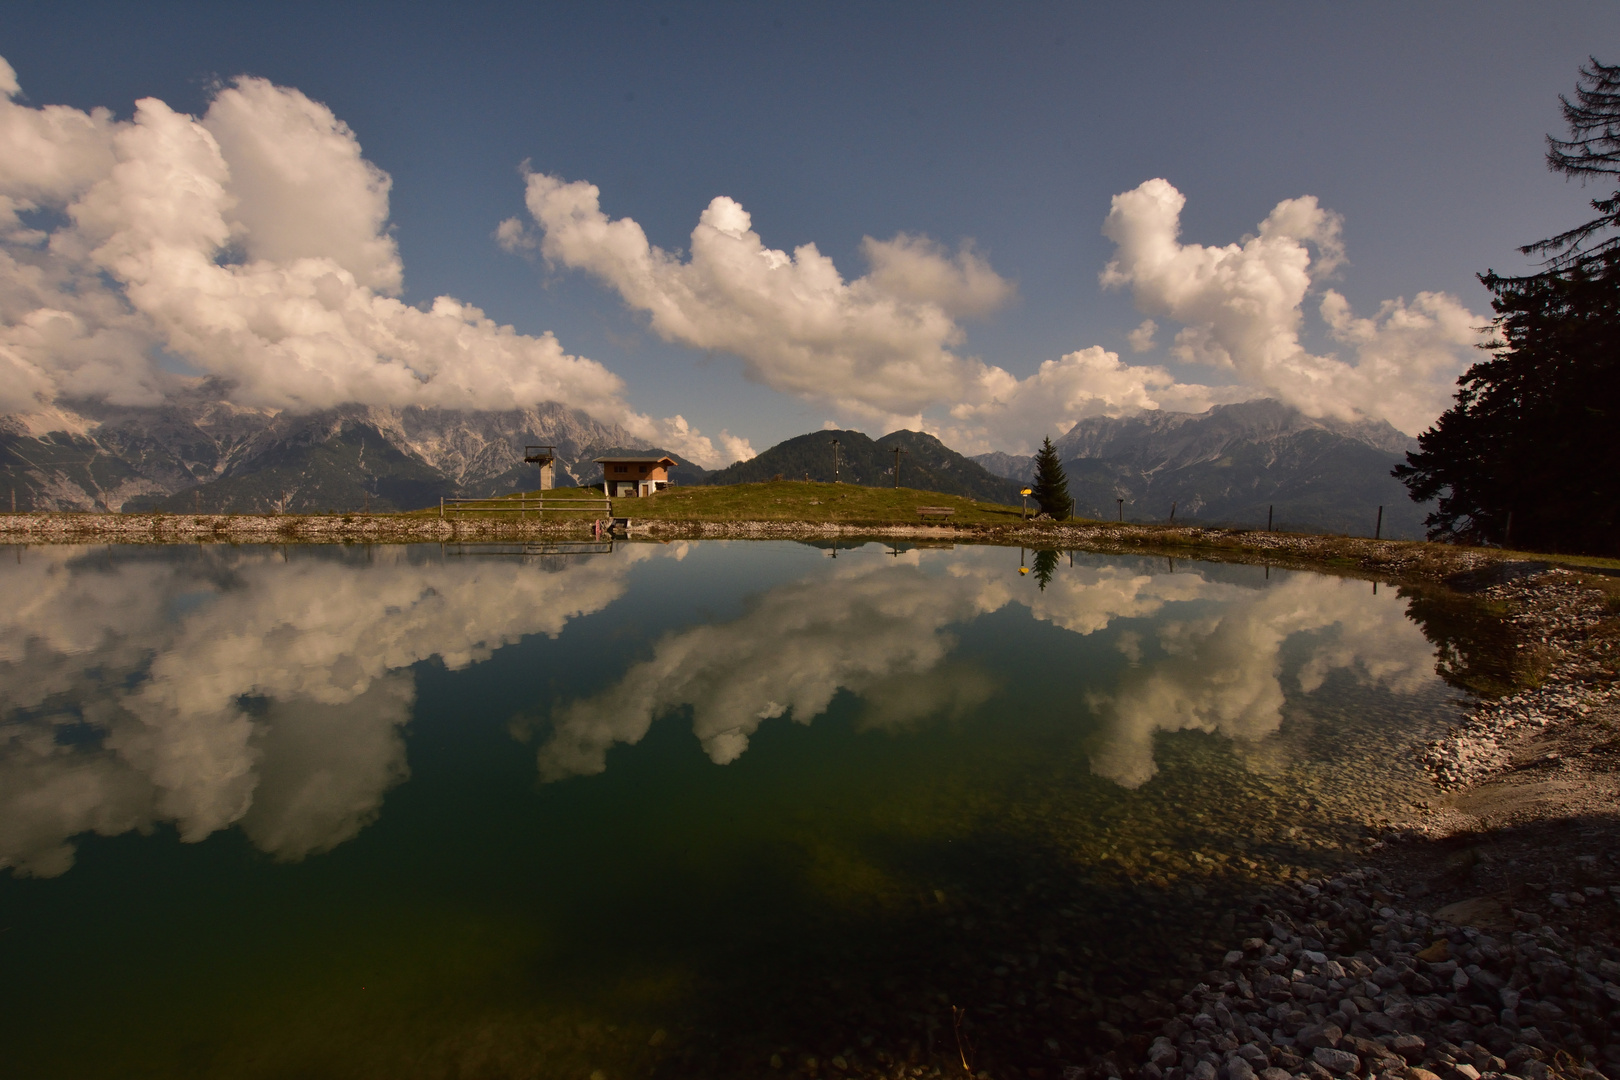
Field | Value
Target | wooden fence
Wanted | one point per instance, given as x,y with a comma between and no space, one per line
524,505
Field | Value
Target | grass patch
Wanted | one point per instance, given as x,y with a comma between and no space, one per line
797,500
777,500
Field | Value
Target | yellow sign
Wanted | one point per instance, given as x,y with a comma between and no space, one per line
1026,491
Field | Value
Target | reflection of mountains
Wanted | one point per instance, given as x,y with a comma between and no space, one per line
880,630
236,687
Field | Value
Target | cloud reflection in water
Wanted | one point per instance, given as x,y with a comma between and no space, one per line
237,688
881,631
232,687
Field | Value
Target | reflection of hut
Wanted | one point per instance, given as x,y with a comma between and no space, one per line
628,477
546,458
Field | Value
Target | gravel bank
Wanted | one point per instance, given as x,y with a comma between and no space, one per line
1349,981
1513,972
1569,638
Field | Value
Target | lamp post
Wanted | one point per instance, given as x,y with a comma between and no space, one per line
835,461
1026,493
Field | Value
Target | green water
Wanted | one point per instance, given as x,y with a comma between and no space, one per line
667,810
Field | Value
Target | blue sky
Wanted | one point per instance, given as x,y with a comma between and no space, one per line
1008,126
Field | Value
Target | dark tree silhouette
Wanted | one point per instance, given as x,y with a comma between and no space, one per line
1592,152
1051,487
1529,453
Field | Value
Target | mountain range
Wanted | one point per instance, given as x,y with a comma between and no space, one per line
1229,465
1234,465
196,452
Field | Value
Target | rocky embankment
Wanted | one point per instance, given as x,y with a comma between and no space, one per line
1514,970
1354,982
1480,748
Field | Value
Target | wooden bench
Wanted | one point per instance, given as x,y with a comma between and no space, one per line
936,511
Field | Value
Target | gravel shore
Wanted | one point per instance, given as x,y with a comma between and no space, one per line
1351,981
1513,970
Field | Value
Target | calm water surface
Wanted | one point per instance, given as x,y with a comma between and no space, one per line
664,810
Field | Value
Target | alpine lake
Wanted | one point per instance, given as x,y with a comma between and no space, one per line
710,809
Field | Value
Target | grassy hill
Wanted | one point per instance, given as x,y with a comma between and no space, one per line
788,500
926,464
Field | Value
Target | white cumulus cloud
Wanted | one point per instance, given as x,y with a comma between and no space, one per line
1242,307
878,344
884,347
253,244
888,347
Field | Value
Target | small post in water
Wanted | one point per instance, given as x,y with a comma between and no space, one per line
1378,529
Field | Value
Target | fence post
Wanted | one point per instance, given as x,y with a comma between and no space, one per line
441,507
1269,509
1378,530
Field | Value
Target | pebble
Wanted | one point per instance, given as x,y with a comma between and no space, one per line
1340,1061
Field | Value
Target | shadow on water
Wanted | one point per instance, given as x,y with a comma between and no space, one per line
1057,913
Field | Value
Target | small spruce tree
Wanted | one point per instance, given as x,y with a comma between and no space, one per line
1051,487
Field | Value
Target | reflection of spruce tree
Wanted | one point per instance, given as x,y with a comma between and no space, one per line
1045,564
1051,488
1474,649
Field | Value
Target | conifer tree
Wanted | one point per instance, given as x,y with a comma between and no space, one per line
1528,455
1051,487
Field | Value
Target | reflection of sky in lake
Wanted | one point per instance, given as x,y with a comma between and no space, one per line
270,691
667,787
